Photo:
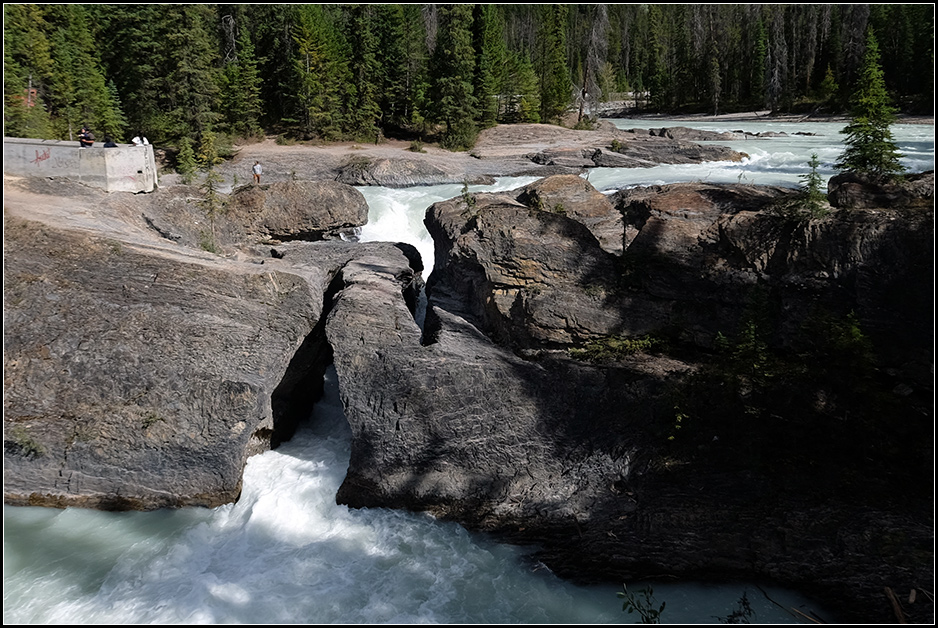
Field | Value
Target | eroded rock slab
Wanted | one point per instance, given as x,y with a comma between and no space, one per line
140,377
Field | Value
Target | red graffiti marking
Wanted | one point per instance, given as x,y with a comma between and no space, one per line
40,157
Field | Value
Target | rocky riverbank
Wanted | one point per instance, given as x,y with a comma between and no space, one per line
667,382
502,151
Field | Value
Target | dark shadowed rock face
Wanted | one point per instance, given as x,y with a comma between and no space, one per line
851,190
509,275
693,255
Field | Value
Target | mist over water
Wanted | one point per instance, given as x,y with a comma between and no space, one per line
286,553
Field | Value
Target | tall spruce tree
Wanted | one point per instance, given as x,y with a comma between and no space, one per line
452,76
272,29
78,92
240,94
556,86
363,111
522,100
391,55
187,101
870,149
27,65
416,79
319,74
491,69
132,48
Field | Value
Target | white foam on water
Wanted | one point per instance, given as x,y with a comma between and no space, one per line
287,553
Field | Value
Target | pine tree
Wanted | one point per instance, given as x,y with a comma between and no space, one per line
114,122
240,81
391,56
27,65
453,71
829,88
130,41
556,86
522,101
416,79
813,189
190,84
272,28
77,92
186,164
490,70
363,111
321,80
870,149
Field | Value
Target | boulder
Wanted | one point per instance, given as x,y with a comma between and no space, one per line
573,196
297,210
604,158
566,157
392,172
449,422
693,135
253,214
576,148
852,190
660,150
531,278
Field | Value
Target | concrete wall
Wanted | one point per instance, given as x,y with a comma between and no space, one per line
126,168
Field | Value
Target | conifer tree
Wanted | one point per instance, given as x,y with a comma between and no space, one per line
132,49
556,87
186,164
829,88
453,72
27,65
78,92
391,55
190,84
240,81
490,70
363,110
272,28
416,79
320,74
522,102
812,183
870,149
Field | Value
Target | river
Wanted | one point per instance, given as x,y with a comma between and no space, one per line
287,553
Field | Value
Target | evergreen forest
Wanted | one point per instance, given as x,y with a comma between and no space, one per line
436,72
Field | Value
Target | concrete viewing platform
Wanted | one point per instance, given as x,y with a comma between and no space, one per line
126,168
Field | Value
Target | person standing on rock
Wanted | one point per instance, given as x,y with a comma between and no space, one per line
256,169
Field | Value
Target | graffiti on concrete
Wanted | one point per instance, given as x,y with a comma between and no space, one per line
41,157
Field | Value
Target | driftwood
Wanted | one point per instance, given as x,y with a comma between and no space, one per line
806,616
896,607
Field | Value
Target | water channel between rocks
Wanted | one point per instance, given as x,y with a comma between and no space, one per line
286,553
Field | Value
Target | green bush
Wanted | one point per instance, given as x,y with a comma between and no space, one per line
613,348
